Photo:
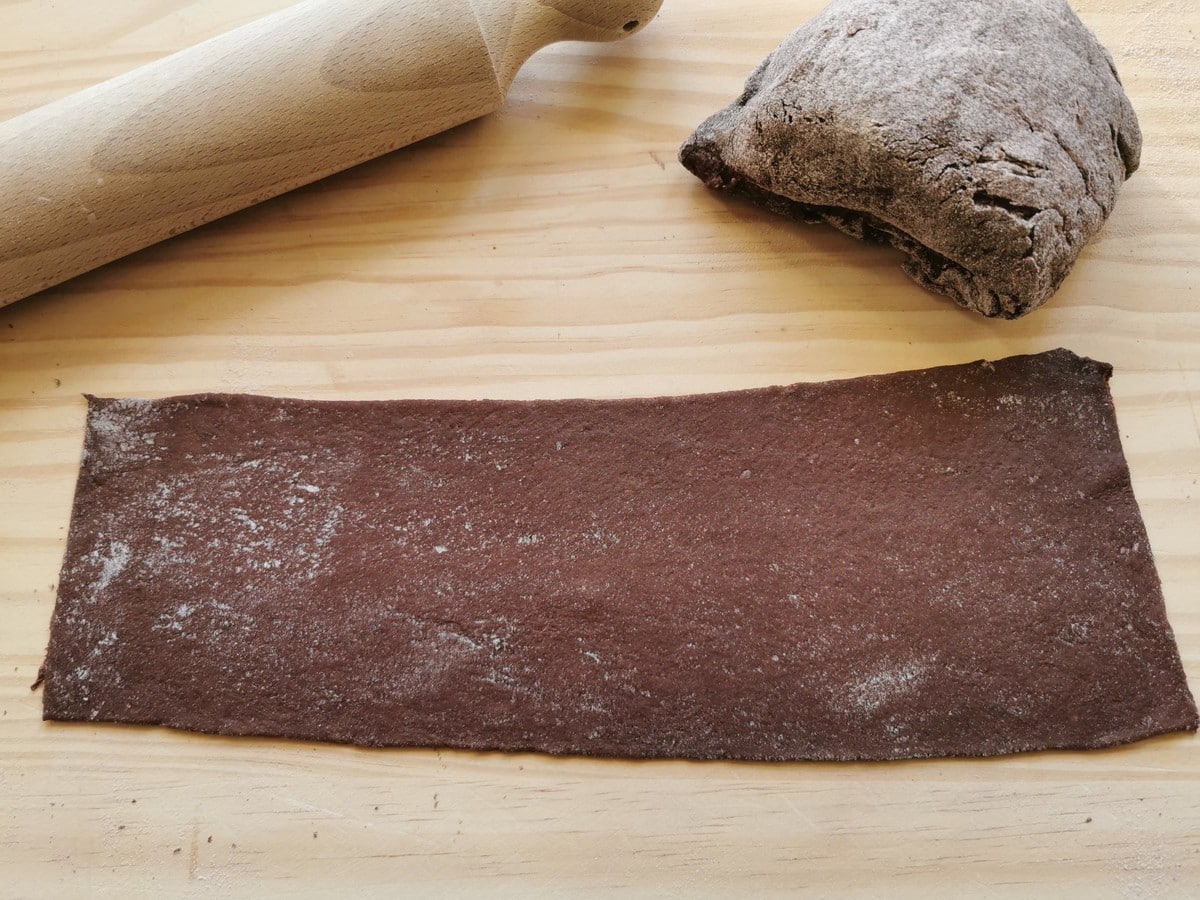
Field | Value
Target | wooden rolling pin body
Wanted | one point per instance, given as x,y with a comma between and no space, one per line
297,96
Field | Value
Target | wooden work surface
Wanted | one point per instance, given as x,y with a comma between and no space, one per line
557,249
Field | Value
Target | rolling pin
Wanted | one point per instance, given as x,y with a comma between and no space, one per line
292,98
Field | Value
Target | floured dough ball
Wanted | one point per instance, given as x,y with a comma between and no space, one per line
987,141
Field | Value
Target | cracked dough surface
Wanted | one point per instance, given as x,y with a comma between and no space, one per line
944,562
986,141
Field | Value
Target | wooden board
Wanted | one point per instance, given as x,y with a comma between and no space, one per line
557,249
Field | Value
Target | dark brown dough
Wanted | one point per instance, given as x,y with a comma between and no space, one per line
987,141
948,562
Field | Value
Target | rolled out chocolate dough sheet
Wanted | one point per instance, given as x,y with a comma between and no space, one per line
947,562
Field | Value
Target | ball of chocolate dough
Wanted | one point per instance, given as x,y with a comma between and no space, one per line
987,141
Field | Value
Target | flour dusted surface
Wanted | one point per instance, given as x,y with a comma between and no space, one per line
932,563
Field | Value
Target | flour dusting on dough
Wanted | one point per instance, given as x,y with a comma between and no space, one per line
879,688
112,564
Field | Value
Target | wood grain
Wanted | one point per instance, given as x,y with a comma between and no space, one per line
281,102
557,249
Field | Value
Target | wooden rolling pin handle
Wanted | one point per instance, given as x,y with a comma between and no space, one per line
312,90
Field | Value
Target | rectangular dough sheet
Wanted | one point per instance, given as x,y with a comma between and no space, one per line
948,562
